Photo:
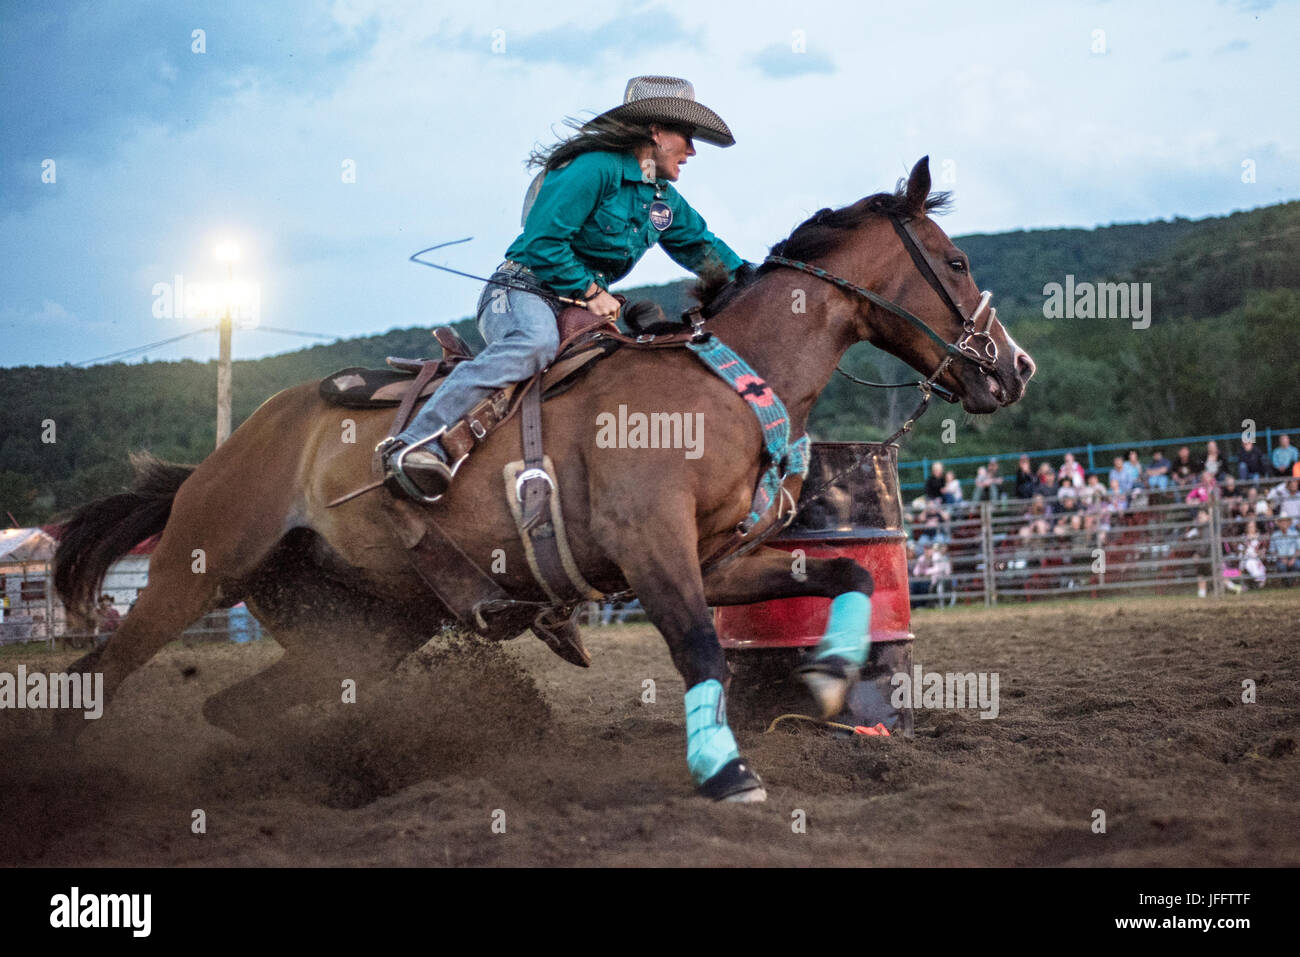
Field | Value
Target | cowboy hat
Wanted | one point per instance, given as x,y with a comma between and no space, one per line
668,100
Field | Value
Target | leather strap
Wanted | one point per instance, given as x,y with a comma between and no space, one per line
460,585
422,378
535,493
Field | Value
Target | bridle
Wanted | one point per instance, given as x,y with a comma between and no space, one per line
974,345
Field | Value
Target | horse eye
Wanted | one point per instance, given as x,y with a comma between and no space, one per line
957,264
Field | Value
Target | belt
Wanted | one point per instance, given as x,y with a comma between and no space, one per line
515,268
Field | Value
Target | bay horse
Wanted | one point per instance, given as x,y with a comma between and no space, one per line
335,588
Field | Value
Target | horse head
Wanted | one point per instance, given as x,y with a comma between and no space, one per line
914,292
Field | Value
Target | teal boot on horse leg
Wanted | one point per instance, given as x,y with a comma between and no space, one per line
840,654
711,752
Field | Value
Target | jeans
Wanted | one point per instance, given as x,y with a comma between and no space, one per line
522,338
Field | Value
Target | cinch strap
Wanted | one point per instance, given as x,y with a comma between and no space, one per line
784,457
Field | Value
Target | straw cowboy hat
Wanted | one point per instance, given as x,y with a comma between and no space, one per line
667,99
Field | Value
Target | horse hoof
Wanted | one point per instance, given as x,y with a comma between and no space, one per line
736,781
829,682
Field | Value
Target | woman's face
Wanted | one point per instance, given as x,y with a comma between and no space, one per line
671,150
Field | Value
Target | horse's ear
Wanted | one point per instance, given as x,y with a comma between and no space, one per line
918,186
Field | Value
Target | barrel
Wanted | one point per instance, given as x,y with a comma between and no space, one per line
850,507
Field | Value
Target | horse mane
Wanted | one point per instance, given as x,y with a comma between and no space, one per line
819,234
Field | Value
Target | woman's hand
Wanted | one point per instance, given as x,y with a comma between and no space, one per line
602,304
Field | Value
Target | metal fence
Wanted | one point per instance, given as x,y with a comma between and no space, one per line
31,612
1154,542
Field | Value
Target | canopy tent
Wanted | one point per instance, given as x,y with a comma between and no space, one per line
25,545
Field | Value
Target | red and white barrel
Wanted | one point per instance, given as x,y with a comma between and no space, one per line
850,508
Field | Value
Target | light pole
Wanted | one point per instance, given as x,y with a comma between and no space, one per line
228,253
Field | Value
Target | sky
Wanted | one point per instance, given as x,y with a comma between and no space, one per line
331,141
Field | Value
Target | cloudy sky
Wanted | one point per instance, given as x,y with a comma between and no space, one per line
1075,113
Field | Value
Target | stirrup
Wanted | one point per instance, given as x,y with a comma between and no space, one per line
393,451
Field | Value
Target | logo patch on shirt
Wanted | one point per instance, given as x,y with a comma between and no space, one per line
661,216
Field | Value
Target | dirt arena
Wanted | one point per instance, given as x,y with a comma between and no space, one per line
1131,706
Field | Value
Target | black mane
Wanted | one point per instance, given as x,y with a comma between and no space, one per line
816,236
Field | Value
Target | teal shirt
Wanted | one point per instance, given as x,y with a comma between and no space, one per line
591,223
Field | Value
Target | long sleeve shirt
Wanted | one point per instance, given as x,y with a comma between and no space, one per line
594,218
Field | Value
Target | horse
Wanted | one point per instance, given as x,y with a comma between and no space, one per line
336,590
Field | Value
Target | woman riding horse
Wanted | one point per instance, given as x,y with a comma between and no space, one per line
605,198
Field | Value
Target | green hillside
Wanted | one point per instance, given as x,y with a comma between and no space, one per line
1225,317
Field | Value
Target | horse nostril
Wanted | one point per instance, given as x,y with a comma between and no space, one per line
1025,365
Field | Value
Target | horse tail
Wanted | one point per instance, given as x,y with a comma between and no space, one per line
97,534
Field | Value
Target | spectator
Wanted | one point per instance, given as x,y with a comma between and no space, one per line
1250,467
995,481
1067,492
983,486
1134,470
1093,493
1258,506
1118,477
1025,478
1285,499
1251,550
1198,536
1046,484
934,483
1158,471
1284,549
1204,493
1184,459
951,491
932,525
1118,498
1070,469
923,576
1284,456
1229,493
107,618
1038,510
1212,461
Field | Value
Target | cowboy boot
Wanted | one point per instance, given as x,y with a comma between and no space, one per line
420,472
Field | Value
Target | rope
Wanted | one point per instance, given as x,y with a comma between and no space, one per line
876,730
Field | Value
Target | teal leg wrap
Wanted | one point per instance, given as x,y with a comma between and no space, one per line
848,631
709,742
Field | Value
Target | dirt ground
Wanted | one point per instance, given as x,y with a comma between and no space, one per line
1129,706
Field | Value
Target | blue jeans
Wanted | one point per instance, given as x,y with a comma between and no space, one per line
522,337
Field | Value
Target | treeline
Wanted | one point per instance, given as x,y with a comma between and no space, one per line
1225,296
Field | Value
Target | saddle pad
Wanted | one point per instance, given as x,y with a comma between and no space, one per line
358,388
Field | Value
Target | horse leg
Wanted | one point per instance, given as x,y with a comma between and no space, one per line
665,573
772,573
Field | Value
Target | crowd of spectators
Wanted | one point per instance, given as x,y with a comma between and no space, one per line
1061,509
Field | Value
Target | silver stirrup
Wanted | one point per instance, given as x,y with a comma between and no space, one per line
396,467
